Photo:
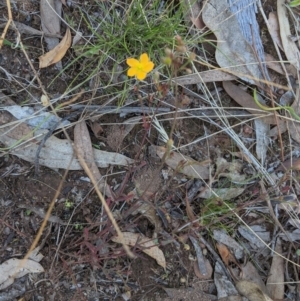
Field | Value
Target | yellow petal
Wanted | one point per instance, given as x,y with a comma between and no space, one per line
131,72
144,58
148,67
140,75
131,62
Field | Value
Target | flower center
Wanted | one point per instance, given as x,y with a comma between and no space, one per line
139,66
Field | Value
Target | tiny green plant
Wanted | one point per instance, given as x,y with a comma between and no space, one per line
68,204
78,226
294,3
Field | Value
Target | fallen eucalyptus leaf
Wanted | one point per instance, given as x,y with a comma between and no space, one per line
56,54
262,131
184,164
204,77
233,51
251,291
222,237
14,130
275,281
290,48
51,21
57,153
15,268
147,245
224,287
247,101
230,170
255,242
249,273
274,29
83,145
42,119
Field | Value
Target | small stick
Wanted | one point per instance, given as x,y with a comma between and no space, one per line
7,24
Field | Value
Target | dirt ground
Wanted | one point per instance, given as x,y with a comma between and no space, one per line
80,260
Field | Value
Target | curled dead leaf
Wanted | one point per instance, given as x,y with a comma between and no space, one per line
225,254
246,100
185,164
274,29
209,270
57,53
251,291
289,164
147,245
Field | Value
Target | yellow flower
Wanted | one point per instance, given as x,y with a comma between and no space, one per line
139,68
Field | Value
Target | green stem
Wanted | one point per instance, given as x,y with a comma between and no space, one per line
265,108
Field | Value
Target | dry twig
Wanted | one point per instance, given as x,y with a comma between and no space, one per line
10,19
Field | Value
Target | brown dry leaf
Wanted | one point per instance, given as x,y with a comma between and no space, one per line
275,282
290,48
209,270
249,273
96,128
13,131
204,77
83,145
190,212
51,21
193,13
245,100
231,170
225,254
147,245
19,131
273,64
118,133
274,29
251,291
222,237
291,163
57,53
185,164
196,290
16,268
240,155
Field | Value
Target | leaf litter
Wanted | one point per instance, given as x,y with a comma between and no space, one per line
240,62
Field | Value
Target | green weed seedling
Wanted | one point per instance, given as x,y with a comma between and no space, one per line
78,227
68,204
